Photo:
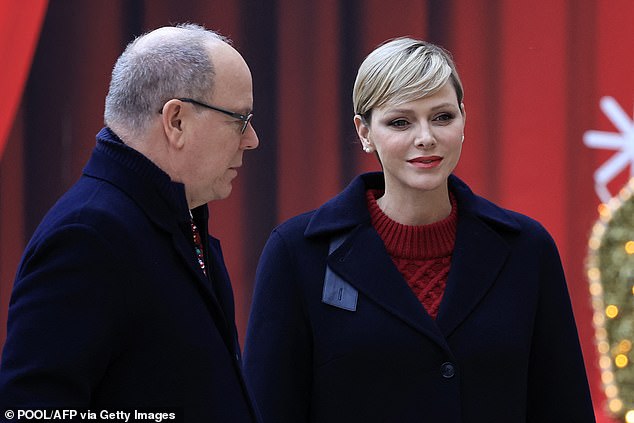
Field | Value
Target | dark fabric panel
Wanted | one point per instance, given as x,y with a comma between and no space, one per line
350,56
133,20
439,21
260,174
47,161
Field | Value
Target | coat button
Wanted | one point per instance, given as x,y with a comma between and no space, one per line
447,370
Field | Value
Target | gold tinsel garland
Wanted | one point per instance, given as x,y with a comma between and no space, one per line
610,270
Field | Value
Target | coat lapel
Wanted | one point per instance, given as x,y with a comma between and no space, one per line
166,207
221,282
186,252
363,262
472,274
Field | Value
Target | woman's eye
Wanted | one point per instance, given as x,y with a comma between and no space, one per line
399,123
444,117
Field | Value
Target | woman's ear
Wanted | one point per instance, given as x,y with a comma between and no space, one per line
363,132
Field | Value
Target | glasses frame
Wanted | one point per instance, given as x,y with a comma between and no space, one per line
246,119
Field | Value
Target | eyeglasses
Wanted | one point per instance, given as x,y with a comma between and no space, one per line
244,118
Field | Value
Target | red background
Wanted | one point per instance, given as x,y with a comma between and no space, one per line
533,71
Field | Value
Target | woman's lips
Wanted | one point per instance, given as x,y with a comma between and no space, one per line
426,162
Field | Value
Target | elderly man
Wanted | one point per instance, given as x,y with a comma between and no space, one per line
122,301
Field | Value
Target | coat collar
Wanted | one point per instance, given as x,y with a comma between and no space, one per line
162,199
164,202
349,209
364,263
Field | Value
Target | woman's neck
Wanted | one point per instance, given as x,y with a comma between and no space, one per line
416,208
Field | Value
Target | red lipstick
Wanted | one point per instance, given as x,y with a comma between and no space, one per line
425,162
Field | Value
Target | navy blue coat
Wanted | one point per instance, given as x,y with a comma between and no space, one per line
109,308
504,347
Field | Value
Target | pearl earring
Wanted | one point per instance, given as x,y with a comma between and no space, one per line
462,139
367,148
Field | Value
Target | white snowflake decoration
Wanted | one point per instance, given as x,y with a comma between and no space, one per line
623,142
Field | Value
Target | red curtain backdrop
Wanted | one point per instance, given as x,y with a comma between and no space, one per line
19,31
533,71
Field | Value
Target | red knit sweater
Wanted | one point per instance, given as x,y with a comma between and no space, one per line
421,253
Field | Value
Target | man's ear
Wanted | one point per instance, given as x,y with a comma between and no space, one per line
172,114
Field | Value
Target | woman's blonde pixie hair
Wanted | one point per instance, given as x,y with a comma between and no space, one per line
402,70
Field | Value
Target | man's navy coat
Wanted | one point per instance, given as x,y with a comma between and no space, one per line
110,309
504,347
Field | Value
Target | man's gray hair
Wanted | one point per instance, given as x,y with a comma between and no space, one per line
153,70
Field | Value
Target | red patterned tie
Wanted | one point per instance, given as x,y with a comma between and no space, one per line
198,247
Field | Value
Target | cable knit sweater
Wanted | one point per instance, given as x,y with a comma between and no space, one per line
421,253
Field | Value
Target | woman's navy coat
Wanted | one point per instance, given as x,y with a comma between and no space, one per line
504,347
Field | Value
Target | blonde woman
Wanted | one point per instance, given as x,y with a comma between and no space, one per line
408,298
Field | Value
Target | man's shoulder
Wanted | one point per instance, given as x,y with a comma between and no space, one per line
93,204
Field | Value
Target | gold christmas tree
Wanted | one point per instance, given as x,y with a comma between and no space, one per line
611,277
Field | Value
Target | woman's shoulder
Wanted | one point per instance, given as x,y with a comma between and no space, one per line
494,214
295,225
345,210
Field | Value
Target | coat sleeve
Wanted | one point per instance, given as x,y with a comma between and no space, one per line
64,320
278,348
558,386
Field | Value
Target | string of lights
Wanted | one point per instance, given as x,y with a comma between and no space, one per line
610,271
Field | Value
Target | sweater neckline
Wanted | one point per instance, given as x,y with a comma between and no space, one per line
414,242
